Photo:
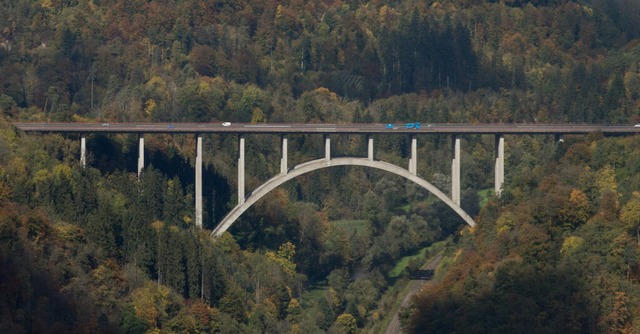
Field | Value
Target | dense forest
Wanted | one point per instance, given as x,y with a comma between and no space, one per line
97,249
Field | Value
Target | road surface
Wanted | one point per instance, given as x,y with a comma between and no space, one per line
282,128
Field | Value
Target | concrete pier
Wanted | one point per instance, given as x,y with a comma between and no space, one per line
240,169
370,147
198,189
499,166
83,151
455,170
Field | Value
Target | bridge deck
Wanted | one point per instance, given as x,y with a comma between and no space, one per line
282,128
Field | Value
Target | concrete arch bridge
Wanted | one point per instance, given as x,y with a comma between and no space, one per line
327,130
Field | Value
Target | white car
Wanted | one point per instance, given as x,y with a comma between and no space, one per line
226,123
637,125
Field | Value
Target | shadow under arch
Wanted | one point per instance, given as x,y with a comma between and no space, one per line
314,165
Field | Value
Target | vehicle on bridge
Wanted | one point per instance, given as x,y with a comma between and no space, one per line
415,125
226,123
412,126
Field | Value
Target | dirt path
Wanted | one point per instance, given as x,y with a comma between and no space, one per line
413,288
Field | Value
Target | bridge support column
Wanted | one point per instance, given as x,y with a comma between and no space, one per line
327,147
499,168
140,154
240,169
413,160
284,158
370,147
83,151
455,170
198,213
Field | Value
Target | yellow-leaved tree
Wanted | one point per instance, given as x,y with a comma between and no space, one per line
284,258
152,302
630,215
346,323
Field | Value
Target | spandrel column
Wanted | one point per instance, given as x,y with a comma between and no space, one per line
140,154
283,159
198,181
240,169
327,147
413,160
499,167
455,170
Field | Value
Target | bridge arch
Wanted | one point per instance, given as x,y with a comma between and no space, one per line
314,165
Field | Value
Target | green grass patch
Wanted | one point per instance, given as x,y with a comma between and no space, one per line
484,195
404,262
313,294
405,208
361,226
421,254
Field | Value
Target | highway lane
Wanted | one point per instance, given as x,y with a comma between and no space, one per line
281,128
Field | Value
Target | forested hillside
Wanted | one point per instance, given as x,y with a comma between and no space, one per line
96,249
